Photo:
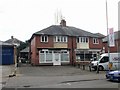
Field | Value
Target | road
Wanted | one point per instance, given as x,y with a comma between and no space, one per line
58,77
83,81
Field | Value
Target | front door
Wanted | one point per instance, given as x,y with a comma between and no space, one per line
56,59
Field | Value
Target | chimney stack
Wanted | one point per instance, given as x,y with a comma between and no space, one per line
11,37
63,23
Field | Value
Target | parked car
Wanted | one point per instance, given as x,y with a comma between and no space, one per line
113,75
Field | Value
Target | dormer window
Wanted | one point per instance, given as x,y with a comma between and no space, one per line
44,38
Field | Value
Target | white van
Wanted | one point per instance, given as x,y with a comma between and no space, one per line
103,61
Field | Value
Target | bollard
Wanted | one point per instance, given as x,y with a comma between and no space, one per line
83,67
78,65
90,67
97,68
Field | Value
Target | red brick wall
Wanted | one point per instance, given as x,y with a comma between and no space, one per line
33,51
95,46
44,44
72,48
119,45
112,49
36,43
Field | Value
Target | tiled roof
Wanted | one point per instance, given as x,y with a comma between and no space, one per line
25,50
67,30
100,35
13,41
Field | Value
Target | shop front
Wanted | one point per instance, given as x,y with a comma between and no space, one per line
53,56
87,54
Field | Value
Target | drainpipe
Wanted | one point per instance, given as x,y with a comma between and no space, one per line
84,55
72,52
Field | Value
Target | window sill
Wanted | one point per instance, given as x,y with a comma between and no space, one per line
95,43
44,42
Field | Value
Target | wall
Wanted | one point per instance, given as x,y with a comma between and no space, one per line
119,45
72,46
48,44
33,51
60,45
112,49
82,45
35,44
95,46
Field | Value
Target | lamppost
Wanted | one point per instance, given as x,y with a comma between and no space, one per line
107,35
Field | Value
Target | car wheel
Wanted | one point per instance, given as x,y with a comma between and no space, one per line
95,68
111,78
101,68
118,80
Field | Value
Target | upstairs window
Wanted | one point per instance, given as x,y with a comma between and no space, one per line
95,41
44,38
60,39
82,39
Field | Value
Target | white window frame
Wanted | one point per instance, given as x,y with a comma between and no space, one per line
95,41
44,39
60,39
82,40
45,52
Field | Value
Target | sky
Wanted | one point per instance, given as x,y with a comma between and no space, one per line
22,18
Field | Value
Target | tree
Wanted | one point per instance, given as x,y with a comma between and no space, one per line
22,46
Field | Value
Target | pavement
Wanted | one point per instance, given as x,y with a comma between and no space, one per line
47,81
48,76
51,71
5,71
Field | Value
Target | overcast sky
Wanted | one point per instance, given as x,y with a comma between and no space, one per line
22,18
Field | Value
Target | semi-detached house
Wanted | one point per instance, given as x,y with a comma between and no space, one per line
61,44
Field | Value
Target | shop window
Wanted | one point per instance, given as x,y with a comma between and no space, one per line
41,51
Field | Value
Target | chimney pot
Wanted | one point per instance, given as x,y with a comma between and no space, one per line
11,37
63,23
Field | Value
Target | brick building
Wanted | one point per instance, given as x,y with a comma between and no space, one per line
116,48
61,44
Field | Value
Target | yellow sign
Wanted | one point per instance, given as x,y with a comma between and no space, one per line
110,65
